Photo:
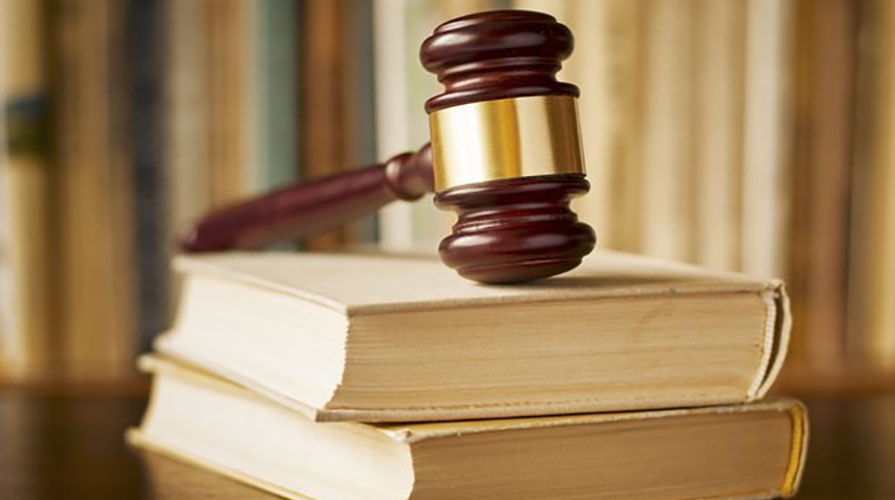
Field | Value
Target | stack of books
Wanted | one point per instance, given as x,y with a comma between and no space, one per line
383,377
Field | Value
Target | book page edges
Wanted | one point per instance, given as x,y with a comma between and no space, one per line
412,433
184,366
775,343
509,410
774,339
138,439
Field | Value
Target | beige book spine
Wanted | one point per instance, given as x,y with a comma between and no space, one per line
626,80
227,66
392,123
186,148
765,209
883,322
719,63
667,174
97,322
29,336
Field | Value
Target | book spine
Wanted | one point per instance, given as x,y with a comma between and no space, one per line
359,102
626,77
323,129
144,18
719,64
97,320
186,130
275,94
818,242
765,186
29,276
871,287
667,174
392,123
228,123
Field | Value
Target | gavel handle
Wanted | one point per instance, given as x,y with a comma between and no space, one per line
311,208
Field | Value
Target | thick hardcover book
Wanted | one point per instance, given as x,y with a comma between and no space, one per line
740,451
386,338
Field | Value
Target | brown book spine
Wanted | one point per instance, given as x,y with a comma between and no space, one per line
323,128
227,88
871,287
97,282
821,165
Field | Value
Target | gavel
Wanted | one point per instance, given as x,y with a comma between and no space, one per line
505,155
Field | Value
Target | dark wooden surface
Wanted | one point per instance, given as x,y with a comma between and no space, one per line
71,447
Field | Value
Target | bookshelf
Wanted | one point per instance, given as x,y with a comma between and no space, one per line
747,136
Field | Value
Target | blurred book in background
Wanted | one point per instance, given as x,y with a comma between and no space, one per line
30,257
751,136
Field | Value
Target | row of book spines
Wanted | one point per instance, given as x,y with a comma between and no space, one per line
723,136
127,161
66,202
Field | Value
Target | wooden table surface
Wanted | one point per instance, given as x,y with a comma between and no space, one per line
71,447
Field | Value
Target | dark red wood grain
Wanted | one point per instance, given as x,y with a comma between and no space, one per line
516,230
497,55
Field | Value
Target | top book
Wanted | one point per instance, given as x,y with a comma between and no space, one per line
387,338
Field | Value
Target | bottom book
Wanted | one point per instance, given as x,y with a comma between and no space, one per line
754,450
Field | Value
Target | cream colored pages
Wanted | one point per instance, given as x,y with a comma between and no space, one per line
416,432
367,284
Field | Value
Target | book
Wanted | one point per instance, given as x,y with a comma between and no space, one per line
392,125
28,334
359,105
871,287
766,137
229,65
740,451
719,64
822,163
186,131
323,127
95,204
274,93
379,338
152,237
668,196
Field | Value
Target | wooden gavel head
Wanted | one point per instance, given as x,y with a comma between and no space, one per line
506,146
505,154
